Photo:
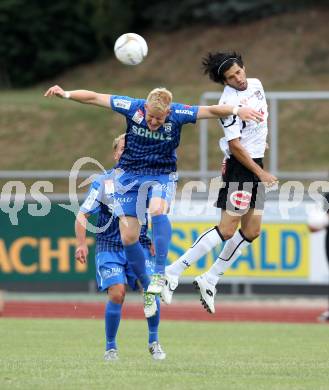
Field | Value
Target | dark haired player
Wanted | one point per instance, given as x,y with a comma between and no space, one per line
241,200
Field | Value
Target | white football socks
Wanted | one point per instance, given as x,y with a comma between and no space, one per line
204,244
227,257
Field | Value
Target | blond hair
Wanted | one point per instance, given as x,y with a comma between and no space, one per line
160,99
117,140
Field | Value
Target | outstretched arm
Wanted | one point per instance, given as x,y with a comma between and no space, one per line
80,95
224,110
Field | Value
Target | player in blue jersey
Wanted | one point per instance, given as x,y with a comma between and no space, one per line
112,268
146,170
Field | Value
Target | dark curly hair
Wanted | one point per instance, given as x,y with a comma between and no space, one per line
216,64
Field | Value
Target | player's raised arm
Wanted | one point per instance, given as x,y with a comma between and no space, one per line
80,95
224,110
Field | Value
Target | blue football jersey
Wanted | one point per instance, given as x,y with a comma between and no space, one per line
151,152
100,200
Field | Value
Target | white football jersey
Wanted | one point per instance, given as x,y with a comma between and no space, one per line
252,135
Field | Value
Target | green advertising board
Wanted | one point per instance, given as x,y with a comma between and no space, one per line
41,248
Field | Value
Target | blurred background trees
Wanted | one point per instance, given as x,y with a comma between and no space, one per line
39,39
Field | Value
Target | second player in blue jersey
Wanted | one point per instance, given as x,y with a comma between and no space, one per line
112,269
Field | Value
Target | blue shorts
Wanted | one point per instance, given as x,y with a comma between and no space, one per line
133,192
112,268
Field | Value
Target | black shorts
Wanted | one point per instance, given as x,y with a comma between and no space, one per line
242,190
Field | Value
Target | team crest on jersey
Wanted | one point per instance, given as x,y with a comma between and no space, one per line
240,199
138,116
167,127
122,103
259,95
109,187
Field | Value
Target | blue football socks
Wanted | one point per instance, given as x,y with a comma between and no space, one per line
153,323
135,257
161,231
112,322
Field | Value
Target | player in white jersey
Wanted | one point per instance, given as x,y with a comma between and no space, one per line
242,198
251,134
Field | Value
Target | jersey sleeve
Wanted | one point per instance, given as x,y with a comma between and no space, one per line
91,204
231,124
124,105
184,113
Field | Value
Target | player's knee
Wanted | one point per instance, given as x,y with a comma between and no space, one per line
251,234
158,211
117,297
129,238
227,232
158,207
117,294
254,235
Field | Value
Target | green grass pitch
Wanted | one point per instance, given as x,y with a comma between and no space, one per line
68,354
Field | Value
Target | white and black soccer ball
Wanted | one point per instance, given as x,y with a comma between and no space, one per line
130,49
318,219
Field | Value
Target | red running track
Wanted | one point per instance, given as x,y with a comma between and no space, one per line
187,311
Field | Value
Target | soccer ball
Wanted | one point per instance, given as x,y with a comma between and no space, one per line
130,49
318,220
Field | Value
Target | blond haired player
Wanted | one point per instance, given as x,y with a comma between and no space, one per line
146,171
